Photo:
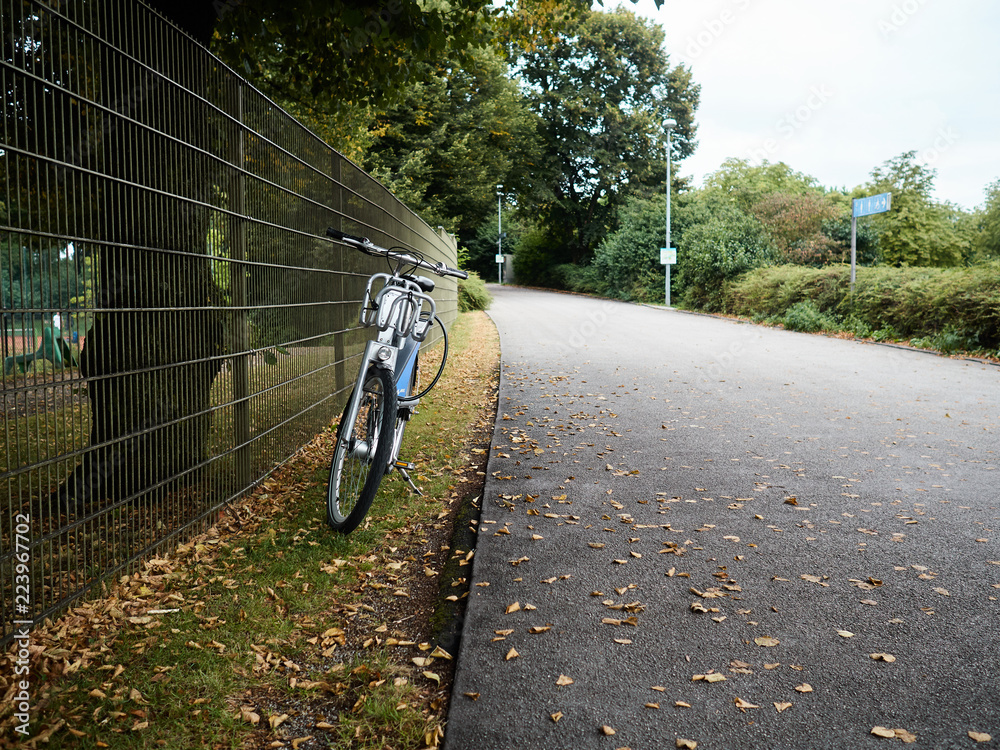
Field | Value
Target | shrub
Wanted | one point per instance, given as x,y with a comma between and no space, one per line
806,316
472,294
574,278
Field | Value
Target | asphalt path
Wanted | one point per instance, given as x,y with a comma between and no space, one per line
674,498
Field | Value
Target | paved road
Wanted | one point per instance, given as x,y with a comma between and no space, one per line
767,506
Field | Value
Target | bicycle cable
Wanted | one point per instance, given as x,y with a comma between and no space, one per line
444,358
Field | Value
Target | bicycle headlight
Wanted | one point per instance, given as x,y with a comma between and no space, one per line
383,354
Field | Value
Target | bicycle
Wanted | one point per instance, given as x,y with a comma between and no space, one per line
370,432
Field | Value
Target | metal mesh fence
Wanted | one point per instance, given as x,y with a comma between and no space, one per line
173,324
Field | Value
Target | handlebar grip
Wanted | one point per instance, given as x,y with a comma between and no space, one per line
338,235
459,274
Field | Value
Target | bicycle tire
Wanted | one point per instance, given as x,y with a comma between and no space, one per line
361,453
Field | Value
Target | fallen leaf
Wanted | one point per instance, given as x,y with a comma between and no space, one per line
564,680
682,704
943,592
743,705
277,720
249,716
883,657
845,633
766,641
607,731
433,676
906,737
883,732
473,696
652,705
805,687
782,706
516,606
512,654
556,716
980,736
685,744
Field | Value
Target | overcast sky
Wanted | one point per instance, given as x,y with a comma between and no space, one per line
833,88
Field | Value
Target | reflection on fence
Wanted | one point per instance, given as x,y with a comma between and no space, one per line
173,324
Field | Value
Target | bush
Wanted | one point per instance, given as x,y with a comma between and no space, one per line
945,309
574,278
627,262
807,317
719,250
472,294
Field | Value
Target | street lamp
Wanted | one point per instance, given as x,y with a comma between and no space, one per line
499,238
669,124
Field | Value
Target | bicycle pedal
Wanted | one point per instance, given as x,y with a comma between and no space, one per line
405,465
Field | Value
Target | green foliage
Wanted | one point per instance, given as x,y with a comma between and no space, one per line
718,250
747,185
472,294
602,89
627,262
986,245
916,231
795,223
806,316
483,243
536,257
946,309
452,138
574,278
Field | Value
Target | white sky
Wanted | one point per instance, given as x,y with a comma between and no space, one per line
834,88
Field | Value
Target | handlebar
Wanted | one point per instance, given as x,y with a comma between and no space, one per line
365,245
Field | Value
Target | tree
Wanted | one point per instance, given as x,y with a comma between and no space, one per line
915,231
603,89
987,240
452,138
796,224
747,185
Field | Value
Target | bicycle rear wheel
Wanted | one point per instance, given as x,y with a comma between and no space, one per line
361,454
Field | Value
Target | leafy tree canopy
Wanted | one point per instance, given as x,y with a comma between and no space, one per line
916,231
602,89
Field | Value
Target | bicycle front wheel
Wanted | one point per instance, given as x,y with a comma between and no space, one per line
361,453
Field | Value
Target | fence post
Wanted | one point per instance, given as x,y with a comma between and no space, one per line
239,311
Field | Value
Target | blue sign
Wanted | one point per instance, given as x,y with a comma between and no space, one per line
873,204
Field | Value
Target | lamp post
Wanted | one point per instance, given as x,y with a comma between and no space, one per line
499,238
669,125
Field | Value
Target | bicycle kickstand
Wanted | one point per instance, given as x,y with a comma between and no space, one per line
404,468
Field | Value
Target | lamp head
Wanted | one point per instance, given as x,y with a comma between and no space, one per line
670,123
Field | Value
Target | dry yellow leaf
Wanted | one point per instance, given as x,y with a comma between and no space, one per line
515,607
607,731
473,696
883,657
743,705
766,641
433,676
980,736
277,720
805,687
556,716
652,705
884,732
685,744
782,706
906,737
845,633
512,654
564,680
682,704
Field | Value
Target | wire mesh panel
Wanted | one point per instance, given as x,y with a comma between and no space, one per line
174,325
